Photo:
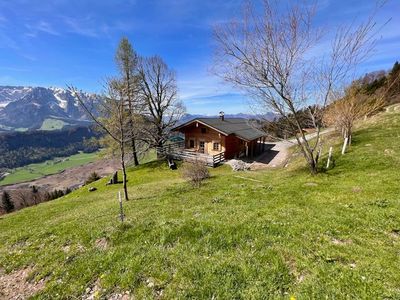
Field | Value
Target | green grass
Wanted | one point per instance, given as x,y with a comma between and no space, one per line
52,124
273,234
34,171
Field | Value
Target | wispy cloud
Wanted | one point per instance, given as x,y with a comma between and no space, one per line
207,94
41,26
93,28
82,26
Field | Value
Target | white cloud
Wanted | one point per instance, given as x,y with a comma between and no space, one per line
206,94
41,26
84,26
203,87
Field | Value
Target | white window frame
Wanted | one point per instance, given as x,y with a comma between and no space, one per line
219,145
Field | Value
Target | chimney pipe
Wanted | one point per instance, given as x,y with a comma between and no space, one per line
222,115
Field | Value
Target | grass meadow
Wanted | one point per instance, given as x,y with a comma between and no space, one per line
270,234
56,165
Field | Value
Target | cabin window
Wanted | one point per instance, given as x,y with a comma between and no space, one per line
203,130
191,143
216,146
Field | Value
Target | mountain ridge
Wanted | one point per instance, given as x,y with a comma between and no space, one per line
31,108
28,107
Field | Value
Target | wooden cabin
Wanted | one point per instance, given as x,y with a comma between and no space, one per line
234,137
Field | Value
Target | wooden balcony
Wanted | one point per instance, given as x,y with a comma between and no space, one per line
177,151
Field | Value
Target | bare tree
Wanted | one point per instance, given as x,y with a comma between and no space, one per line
113,119
158,90
273,55
127,60
355,105
22,198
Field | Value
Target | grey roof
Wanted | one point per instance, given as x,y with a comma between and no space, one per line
240,127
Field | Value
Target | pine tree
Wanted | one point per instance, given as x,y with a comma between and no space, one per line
394,80
6,202
395,69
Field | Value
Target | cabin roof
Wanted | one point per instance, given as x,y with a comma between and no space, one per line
237,126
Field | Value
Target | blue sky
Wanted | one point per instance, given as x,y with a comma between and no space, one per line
54,43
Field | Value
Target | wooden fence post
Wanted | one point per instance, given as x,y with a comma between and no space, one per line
346,140
329,157
121,209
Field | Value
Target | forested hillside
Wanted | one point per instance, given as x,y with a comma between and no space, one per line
22,148
383,82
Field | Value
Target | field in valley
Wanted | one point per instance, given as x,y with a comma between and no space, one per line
53,124
276,233
56,165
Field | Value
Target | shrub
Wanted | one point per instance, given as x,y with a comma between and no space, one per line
92,178
6,202
48,196
195,172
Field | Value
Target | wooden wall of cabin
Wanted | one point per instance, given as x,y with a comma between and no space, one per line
210,137
231,145
234,147
256,147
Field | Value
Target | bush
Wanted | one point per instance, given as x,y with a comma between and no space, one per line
48,196
6,202
92,178
195,172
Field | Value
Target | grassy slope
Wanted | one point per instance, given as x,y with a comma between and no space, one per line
34,171
52,124
283,233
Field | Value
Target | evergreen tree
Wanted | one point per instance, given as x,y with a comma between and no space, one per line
395,69
394,81
6,202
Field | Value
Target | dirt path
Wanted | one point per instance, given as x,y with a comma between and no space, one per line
69,178
278,154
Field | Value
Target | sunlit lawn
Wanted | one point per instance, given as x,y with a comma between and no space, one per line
284,233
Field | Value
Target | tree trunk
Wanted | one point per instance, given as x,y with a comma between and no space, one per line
124,172
313,167
131,125
135,156
307,151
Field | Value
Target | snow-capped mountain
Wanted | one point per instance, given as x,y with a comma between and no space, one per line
29,107
12,93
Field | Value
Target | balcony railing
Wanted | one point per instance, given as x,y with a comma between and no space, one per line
177,151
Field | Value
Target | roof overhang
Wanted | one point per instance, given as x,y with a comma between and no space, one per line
246,140
177,128
198,121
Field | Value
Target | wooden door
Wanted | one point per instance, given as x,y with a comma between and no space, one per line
202,146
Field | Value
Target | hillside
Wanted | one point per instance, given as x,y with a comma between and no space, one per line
53,166
23,148
277,232
23,108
